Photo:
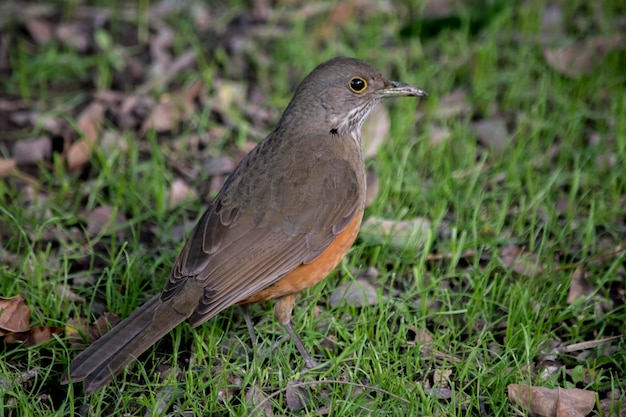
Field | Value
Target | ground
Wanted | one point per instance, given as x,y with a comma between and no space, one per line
491,262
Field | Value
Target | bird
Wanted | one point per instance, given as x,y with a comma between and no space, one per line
282,221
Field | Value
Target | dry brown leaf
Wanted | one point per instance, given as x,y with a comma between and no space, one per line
356,293
77,327
492,133
7,166
39,334
454,104
39,29
522,263
256,396
101,220
582,57
416,336
14,314
400,234
297,397
179,192
32,336
574,402
71,34
163,117
438,135
173,109
552,402
31,151
580,286
439,8
611,407
89,124
441,377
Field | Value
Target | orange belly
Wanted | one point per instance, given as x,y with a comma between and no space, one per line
307,275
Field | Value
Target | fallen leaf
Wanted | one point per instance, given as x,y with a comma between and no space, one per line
492,133
297,397
580,286
39,29
77,327
552,402
7,166
356,293
400,234
454,104
179,191
31,151
581,58
71,34
33,336
256,396
164,116
14,314
441,377
101,220
522,263
438,135
89,124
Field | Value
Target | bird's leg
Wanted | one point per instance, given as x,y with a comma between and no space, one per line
246,317
282,312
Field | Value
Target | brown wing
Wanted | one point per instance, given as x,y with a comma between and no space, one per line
276,212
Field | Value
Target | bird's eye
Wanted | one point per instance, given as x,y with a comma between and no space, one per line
357,85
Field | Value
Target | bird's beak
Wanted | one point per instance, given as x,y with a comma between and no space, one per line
399,89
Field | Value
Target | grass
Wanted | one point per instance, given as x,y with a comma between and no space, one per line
490,327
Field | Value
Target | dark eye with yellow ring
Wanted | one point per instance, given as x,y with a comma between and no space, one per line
357,85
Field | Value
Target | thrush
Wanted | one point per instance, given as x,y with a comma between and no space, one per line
282,222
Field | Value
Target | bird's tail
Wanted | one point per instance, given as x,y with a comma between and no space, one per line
106,357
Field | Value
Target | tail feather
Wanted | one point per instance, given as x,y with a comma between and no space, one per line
107,356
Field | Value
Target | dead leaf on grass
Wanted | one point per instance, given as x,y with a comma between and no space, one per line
415,336
39,29
356,293
581,58
89,124
77,327
32,337
438,135
552,402
580,286
400,234
297,397
521,262
7,166
14,314
454,104
179,192
31,151
441,377
101,220
255,397
492,133
73,35
172,109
